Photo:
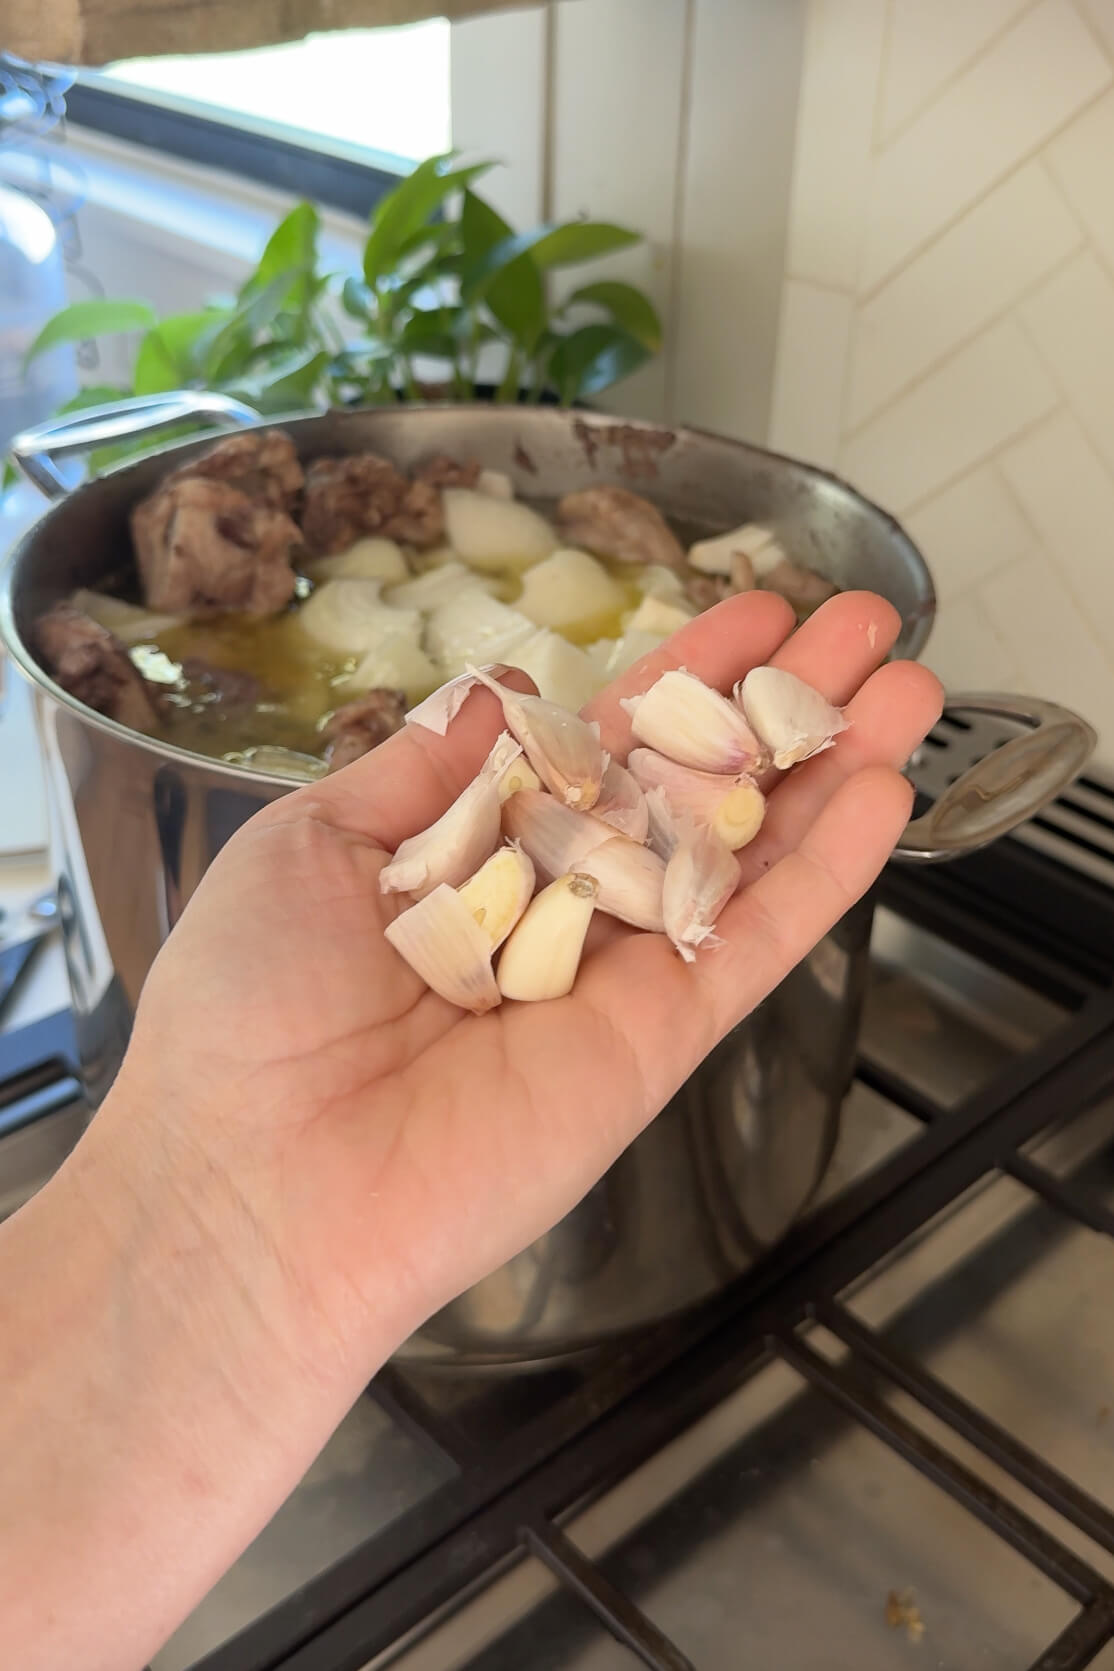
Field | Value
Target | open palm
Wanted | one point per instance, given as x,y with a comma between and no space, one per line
395,1150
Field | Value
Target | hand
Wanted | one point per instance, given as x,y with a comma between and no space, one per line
391,1150
306,1152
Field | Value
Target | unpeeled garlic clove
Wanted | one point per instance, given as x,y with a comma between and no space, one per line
563,749
700,879
663,823
556,837
793,720
684,719
630,880
442,942
499,892
542,955
622,803
733,807
455,846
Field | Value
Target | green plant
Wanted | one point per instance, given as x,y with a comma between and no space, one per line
447,290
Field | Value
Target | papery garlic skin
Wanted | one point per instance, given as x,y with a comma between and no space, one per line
631,880
541,958
556,837
793,720
622,803
442,942
684,719
455,847
733,807
499,892
700,879
663,823
563,749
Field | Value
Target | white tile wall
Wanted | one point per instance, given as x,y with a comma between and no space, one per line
975,346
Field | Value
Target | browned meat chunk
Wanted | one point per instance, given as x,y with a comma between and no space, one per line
203,545
86,660
347,498
228,687
611,522
803,588
443,471
362,725
260,462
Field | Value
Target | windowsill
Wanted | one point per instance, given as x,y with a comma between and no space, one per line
195,210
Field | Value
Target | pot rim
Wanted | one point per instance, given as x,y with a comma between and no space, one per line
919,625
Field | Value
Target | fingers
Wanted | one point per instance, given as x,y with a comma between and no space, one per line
841,644
890,716
720,645
406,783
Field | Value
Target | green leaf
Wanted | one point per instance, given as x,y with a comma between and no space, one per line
223,351
82,320
408,206
627,305
547,246
291,248
288,383
516,295
593,358
169,357
355,299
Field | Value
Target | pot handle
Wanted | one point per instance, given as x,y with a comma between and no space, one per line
35,449
1005,787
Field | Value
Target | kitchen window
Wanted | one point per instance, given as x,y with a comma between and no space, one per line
334,117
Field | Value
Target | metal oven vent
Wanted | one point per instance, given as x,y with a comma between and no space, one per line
1077,828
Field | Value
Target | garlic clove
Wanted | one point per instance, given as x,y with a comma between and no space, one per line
684,719
499,892
733,807
455,846
563,749
520,775
630,880
793,720
542,955
556,837
700,879
663,823
622,803
442,942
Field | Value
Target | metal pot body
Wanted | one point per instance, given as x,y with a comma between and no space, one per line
739,1152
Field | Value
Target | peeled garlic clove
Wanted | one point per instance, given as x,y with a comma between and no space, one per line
630,880
622,803
555,837
542,956
442,942
499,893
563,749
455,846
682,718
733,807
700,878
520,775
793,720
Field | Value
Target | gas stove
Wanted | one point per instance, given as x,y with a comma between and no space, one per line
891,1442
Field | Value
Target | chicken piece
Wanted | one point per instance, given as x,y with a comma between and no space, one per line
803,588
86,660
228,688
612,522
360,494
362,725
443,471
260,462
203,545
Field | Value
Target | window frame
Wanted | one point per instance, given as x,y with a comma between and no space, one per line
333,175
